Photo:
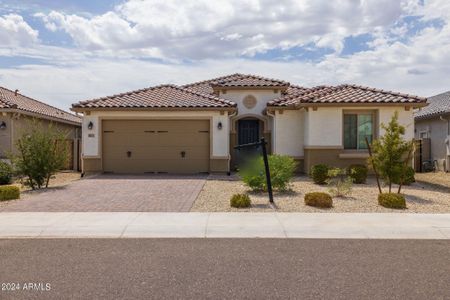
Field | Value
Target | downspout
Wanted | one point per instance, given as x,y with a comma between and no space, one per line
229,126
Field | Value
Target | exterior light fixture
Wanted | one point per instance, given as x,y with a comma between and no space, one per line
90,125
3,125
219,126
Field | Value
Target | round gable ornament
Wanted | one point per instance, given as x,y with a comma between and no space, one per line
249,101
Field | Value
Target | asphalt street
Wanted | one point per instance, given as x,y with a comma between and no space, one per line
224,269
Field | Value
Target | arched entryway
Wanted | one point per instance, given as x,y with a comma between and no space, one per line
244,130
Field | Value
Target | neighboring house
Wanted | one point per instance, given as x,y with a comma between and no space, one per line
433,122
16,113
193,128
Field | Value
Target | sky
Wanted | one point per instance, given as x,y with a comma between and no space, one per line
61,51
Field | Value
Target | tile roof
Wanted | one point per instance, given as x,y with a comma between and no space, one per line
162,96
345,94
236,80
8,100
439,104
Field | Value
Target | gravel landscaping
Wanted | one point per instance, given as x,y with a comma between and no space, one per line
421,197
57,180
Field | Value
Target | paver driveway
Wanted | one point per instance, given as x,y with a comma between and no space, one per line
112,193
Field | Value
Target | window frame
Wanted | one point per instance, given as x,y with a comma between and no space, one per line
373,113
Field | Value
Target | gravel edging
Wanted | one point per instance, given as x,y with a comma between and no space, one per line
420,198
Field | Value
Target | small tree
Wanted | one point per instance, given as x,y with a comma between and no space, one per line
42,152
390,154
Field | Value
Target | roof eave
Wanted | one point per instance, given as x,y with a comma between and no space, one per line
83,109
40,116
408,104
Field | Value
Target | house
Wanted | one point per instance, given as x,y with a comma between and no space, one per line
16,111
193,128
433,123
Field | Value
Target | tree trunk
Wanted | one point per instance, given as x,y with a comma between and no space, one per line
374,167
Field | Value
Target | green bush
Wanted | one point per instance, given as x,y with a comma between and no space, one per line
409,177
318,199
282,169
358,173
340,185
9,192
319,173
6,173
391,200
42,151
240,200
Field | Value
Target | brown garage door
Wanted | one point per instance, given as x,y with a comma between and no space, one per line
139,146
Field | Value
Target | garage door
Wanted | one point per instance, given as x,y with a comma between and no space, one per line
140,146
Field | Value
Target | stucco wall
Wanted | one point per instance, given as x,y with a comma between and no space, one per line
437,131
324,126
18,126
92,143
5,135
288,132
262,97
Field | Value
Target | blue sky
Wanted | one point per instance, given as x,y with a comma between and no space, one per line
65,51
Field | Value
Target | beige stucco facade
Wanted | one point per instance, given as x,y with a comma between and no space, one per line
309,134
18,124
219,155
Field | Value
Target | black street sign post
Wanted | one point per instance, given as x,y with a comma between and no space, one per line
263,144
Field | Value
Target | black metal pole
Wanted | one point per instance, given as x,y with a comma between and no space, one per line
267,169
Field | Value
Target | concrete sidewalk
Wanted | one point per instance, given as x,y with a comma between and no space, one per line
225,225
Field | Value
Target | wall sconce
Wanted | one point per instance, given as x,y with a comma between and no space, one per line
3,125
90,125
219,126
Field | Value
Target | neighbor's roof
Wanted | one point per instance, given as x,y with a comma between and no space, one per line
345,94
162,96
234,81
439,104
8,100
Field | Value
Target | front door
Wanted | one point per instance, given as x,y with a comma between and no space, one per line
248,131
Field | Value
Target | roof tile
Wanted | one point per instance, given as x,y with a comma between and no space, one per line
344,94
8,100
439,104
162,96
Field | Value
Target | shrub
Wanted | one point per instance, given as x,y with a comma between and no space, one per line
281,167
339,183
391,200
9,192
391,152
319,173
240,200
358,173
42,151
6,173
408,177
318,199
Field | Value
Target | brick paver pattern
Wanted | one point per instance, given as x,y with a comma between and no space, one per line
114,193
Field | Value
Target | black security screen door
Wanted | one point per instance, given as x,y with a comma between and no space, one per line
248,131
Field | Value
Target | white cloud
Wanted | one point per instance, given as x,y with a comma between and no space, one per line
14,31
204,29
214,34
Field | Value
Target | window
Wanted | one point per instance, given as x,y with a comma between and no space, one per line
423,134
358,126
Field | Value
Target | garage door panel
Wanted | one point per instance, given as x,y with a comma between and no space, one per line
156,146
157,165
155,152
